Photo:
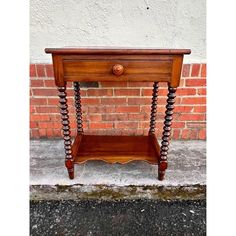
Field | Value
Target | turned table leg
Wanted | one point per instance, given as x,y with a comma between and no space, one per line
153,108
66,131
78,108
166,132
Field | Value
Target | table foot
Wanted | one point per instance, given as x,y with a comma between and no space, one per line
70,168
71,173
161,175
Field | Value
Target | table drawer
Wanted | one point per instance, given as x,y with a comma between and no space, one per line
117,69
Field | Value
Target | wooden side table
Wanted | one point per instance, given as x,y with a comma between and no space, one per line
116,64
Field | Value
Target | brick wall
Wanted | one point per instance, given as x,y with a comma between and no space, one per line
119,108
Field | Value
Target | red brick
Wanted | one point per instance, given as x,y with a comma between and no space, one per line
45,92
34,117
95,117
196,124
49,70
85,125
139,101
49,83
202,134
73,132
161,116
161,109
114,84
184,109
49,125
99,92
33,124
195,82
176,134
113,101
35,133
38,101
70,101
72,124
185,91
114,117
101,109
141,84
149,91
199,109
33,70
90,101
127,92
178,124
70,93
42,133
36,83
127,109
40,68
147,109
182,83
49,133
175,116
32,109
185,134
138,117
83,92
53,101
193,134
71,110
55,117
201,91
186,70
58,125
159,127
144,124
126,125
103,132
192,117
203,70
44,125
162,91
100,125
57,132
163,84
194,100
48,110
195,70
132,132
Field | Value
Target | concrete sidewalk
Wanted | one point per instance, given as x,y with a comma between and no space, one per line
49,179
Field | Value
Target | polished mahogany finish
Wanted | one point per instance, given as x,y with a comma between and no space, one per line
117,64
116,149
153,108
78,108
166,132
66,131
118,69
116,50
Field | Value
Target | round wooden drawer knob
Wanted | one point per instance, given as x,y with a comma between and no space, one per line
118,69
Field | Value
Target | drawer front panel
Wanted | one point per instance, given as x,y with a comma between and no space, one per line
103,70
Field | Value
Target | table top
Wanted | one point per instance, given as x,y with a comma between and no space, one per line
116,50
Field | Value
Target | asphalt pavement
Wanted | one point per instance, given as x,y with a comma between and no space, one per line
125,217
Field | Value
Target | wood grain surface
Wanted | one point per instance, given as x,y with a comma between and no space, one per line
116,149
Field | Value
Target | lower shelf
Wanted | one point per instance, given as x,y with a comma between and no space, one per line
115,149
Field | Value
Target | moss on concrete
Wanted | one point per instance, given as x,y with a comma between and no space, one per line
117,192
